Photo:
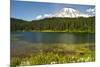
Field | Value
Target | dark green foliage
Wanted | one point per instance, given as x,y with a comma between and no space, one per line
55,24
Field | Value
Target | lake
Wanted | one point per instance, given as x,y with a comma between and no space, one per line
22,42
53,37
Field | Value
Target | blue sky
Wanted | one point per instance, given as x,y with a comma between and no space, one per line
30,10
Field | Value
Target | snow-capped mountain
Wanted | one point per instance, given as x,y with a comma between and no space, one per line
65,12
70,12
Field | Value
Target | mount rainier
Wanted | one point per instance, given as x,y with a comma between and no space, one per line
65,12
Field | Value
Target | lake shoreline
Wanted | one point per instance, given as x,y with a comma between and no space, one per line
32,48
56,31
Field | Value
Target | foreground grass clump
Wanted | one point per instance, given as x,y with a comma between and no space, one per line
56,54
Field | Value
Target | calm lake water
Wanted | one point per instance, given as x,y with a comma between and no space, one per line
52,37
28,42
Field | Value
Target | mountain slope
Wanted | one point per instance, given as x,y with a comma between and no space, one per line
70,12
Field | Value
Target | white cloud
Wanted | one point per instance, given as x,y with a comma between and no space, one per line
39,17
44,16
90,10
47,15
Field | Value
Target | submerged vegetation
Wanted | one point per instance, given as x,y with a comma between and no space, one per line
55,54
55,25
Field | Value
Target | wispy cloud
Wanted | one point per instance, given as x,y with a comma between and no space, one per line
48,15
39,17
44,16
91,10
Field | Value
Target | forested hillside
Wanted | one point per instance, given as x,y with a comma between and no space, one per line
55,25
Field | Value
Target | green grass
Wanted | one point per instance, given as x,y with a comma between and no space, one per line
57,54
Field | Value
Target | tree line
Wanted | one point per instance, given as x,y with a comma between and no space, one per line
55,24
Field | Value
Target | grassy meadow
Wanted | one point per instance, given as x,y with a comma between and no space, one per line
55,54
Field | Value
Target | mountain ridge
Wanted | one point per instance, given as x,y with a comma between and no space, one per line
71,12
